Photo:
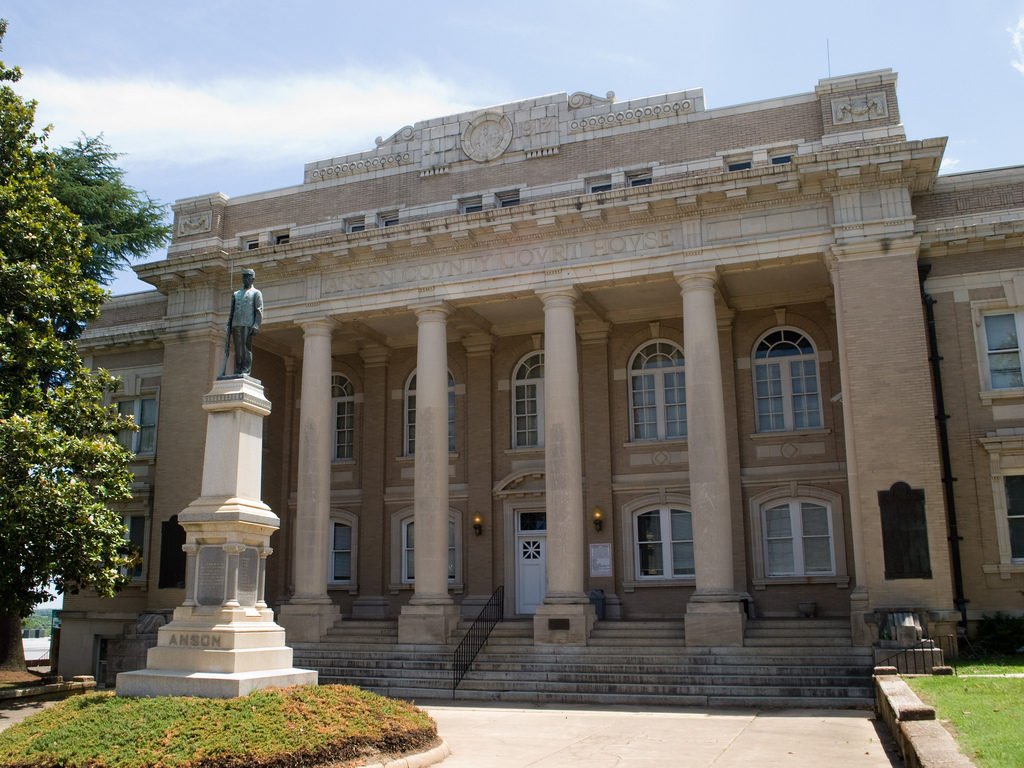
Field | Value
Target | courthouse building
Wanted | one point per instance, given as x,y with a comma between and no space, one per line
706,364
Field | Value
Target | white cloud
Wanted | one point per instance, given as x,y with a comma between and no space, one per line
1017,41
949,164
296,118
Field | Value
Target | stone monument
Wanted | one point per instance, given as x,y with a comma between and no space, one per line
222,641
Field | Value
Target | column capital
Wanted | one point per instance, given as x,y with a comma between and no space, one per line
321,326
696,281
430,309
563,295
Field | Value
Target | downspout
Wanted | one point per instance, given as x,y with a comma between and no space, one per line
941,417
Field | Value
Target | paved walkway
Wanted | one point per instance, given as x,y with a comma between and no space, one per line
483,736
492,736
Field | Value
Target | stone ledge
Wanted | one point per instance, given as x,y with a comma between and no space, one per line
79,684
921,739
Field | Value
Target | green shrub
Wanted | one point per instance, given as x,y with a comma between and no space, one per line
1001,633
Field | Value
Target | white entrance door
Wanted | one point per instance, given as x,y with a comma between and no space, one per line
531,561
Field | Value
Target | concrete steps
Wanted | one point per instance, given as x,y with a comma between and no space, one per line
784,663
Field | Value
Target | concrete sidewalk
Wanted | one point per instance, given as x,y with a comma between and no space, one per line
484,736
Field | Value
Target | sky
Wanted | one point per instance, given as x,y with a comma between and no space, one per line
234,96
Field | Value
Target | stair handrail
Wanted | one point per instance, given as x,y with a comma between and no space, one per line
476,636
913,663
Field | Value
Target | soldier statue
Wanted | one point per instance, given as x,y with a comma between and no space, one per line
243,323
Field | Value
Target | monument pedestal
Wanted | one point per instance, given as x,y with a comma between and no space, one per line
568,623
222,641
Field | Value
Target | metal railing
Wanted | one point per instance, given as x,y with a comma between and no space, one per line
917,660
477,635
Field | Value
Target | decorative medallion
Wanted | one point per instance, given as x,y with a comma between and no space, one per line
531,550
487,137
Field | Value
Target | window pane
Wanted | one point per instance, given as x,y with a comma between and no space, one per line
533,521
147,412
342,537
1005,370
817,555
648,526
777,522
650,560
675,404
1000,332
342,566
1015,512
815,519
147,439
682,527
682,559
780,557
1017,538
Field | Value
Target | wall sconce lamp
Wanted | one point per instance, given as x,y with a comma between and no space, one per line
598,519
478,524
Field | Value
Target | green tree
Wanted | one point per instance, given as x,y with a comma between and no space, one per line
61,466
120,223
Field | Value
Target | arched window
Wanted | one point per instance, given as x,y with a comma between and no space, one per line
798,538
786,392
410,414
343,553
664,543
528,402
343,406
657,392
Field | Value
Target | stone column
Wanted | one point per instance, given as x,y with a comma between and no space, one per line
310,613
477,570
566,617
714,614
372,602
431,614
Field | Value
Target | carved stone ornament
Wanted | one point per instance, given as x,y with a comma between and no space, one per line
487,137
195,223
581,99
859,109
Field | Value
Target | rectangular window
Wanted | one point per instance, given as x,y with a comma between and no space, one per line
252,245
526,417
1015,515
471,205
281,239
638,178
388,219
344,428
601,184
740,165
409,552
341,553
659,556
1003,335
507,199
143,412
355,225
781,159
135,536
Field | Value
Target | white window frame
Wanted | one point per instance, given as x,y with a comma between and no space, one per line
629,546
786,379
400,580
1006,458
979,311
599,184
660,392
343,405
409,415
137,575
664,513
640,178
519,393
507,199
471,204
794,493
1018,319
132,441
344,517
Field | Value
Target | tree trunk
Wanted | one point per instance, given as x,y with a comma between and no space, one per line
12,652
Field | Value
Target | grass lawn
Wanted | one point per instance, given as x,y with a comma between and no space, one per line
329,725
985,713
991,665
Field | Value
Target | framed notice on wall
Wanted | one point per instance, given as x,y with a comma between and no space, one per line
600,560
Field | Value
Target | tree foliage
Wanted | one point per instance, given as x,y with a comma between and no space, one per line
120,223
61,466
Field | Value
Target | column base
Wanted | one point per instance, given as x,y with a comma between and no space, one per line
863,622
563,623
208,685
715,622
427,624
308,622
